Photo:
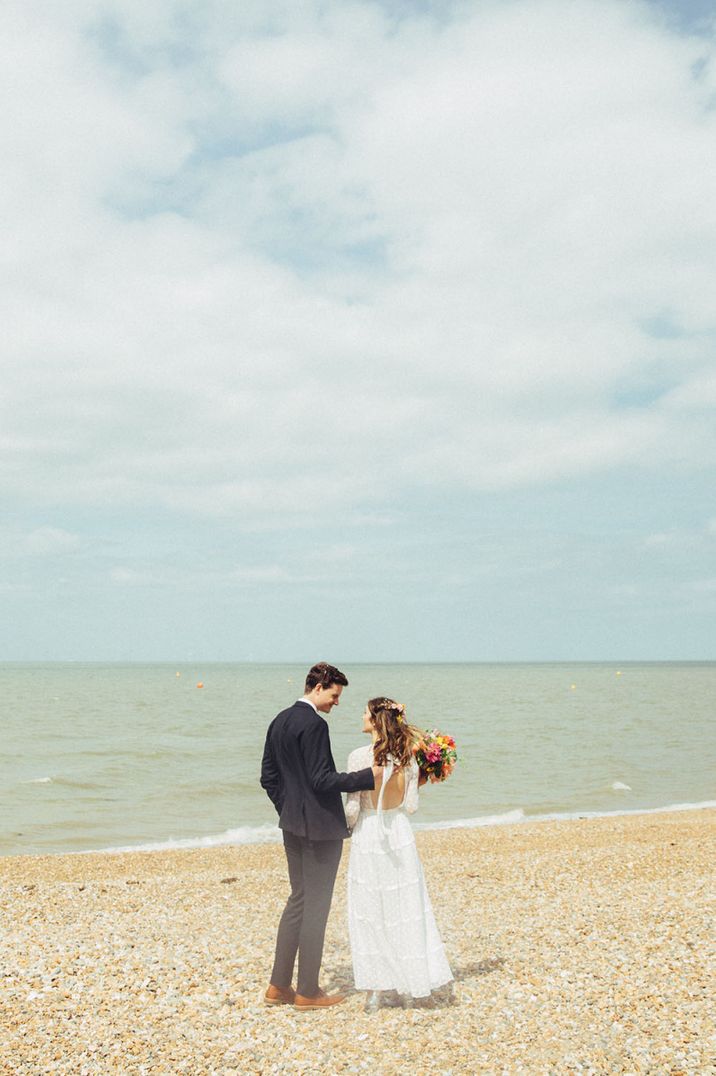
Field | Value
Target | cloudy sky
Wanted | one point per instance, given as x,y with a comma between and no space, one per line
358,330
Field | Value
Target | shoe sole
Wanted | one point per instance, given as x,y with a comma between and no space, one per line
316,1008
276,1001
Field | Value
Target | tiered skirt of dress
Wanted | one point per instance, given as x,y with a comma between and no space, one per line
394,938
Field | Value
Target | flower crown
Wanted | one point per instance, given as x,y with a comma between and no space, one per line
399,712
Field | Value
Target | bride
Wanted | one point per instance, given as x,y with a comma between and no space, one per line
396,948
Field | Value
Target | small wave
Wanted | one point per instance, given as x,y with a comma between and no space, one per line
63,782
265,834
507,819
619,786
518,816
213,790
571,816
271,834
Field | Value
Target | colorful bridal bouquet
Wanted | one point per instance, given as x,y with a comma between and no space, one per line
435,755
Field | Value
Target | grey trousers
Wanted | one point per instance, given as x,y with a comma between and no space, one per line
312,868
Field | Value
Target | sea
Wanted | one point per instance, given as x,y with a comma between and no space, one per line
157,756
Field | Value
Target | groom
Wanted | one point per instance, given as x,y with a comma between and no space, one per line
299,775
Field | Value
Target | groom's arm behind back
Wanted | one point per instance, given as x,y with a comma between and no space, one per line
270,774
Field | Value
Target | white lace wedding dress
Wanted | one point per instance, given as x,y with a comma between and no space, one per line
394,939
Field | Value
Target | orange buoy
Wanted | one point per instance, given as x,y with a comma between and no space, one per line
200,684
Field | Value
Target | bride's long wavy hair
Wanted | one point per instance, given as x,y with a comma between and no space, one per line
395,736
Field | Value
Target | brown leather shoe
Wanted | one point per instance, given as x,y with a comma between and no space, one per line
320,1001
278,995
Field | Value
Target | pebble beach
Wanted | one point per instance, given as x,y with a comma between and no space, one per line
582,946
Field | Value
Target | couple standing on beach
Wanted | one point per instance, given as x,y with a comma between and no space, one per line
397,952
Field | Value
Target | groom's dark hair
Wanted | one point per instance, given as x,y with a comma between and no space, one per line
325,675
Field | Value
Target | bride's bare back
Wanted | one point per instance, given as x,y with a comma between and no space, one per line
394,792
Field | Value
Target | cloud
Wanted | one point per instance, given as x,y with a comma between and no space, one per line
260,575
659,540
259,257
705,586
46,541
122,576
684,542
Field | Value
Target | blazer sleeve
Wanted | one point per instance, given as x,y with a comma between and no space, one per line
271,776
353,802
320,768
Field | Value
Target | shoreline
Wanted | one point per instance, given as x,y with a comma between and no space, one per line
583,943
267,834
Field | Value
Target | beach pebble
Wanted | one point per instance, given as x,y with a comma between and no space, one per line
145,963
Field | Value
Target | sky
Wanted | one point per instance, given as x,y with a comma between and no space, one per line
358,331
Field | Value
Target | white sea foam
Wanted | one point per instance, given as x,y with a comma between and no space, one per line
507,819
619,786
570,816
268,834
241,835
38,781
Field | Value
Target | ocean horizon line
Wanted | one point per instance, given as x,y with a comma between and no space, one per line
360,662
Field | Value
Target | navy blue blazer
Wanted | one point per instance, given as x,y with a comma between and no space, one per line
300,777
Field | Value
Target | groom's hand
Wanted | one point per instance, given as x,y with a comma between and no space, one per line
377,775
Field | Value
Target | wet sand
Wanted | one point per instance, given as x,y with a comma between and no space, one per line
577,947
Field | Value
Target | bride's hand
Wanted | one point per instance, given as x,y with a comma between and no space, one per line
422,779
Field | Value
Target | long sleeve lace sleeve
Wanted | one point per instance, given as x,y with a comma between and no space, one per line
353,799
411,788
